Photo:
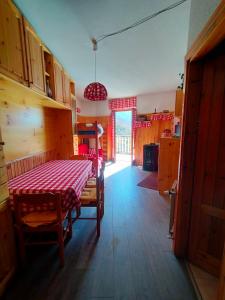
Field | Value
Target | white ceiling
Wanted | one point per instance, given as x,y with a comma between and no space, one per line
144,60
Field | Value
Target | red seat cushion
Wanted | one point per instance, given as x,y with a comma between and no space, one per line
83,149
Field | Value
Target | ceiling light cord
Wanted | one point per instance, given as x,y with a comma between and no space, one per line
95,66
141,21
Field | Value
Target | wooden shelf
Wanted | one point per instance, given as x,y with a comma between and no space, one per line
19,91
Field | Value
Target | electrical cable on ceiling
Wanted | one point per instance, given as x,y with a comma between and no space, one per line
139,22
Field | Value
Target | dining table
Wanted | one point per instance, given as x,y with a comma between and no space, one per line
65,177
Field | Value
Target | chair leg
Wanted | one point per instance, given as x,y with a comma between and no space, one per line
70,224
102,205
61,245
78,212
22,250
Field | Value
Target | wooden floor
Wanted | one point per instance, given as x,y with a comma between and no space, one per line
132,259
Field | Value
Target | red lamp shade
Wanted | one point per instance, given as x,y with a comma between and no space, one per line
95,91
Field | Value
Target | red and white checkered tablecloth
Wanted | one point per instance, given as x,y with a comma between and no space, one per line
67,177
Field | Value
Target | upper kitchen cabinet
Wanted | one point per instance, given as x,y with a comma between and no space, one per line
67,90
35,57
12,50
59,81
179,102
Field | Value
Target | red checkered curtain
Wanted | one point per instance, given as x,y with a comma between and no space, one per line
113,121
134,117
123,104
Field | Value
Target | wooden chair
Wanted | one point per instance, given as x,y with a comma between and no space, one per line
51,220
79,157
93,196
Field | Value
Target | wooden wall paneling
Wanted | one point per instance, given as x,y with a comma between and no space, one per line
19,166
26,128
15,91
3,174
35,57
64,142
187,157
29,128
12,50
149,135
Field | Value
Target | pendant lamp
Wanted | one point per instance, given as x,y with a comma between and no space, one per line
95,91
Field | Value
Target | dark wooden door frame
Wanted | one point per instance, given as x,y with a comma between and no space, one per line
212,34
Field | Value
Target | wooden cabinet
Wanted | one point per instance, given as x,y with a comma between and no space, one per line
58,78
7,245
169,149
24,58
35,59
12,50
67,91
179,103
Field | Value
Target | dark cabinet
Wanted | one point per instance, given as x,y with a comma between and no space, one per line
150,157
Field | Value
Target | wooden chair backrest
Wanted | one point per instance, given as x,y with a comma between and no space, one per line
79,157
37,200
100,181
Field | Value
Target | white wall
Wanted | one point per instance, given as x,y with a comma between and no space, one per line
200,12
88,108
161,101
145,104
102,108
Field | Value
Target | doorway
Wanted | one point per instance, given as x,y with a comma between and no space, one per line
207,232
123,136
200,210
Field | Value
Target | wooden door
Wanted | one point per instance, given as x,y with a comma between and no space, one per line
207,232
221,289
12,48
58,76
67,91
35,60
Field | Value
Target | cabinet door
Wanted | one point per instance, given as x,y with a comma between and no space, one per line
58,75
67,92
35,60
168,163
12,47
179,103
